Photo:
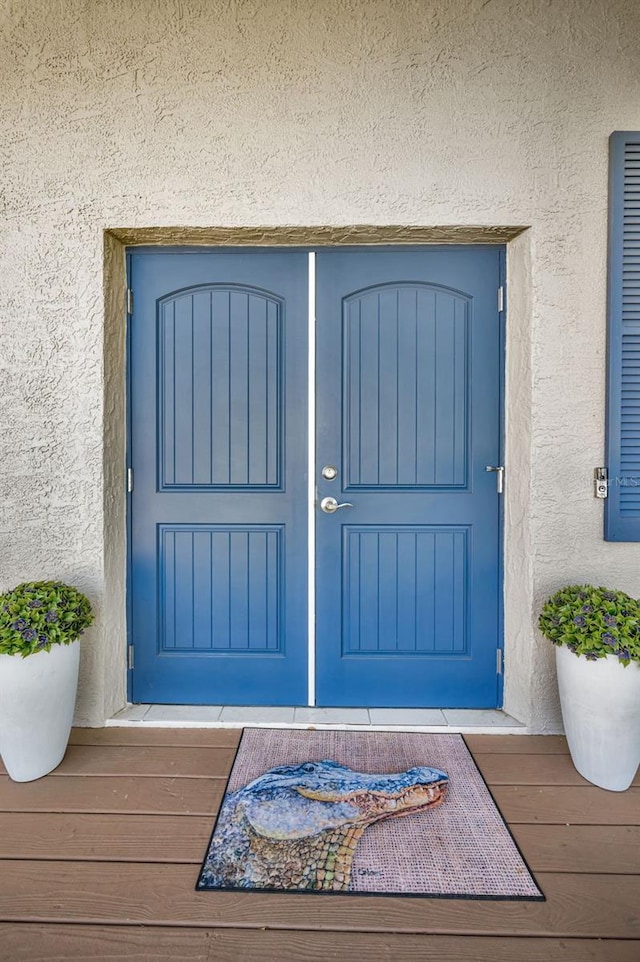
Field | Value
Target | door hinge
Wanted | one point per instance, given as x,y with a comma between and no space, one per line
601,482
129,480
499,661
499,473
129,301
130,657
500,299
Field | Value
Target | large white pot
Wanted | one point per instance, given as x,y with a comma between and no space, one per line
37,699
600,703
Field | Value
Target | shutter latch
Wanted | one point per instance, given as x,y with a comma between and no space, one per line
601,482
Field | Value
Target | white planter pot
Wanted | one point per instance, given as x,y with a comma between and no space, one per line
37,699
600,703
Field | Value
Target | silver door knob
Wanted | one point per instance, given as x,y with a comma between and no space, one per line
330,505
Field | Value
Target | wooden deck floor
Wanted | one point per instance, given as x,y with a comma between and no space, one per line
99,861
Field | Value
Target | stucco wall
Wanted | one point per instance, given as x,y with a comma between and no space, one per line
133,113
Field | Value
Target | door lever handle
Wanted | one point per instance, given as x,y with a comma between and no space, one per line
330,505
499,476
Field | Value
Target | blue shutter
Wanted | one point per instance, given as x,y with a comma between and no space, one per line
622,508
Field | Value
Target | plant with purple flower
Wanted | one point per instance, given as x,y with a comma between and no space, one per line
38,614
593,622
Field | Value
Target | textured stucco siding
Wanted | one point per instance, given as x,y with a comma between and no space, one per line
193,113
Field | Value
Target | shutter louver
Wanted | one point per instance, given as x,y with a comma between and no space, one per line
622,512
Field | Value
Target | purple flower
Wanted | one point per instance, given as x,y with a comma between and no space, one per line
610,621
42,641
35,604
609,639
51,616
19,625
623,654
590,656
588,609
580,621
572,646
555,620
609,595
29,634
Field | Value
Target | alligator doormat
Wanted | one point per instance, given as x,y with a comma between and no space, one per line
378,813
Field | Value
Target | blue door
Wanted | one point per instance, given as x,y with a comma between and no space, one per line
218,513
408,419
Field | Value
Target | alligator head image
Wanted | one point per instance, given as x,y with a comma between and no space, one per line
298,826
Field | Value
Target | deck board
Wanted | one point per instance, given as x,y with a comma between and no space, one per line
572,804
112,845
603,849
147,760
70,943
165,737
517,744
125,794
605,906
507,769
113,838
606,849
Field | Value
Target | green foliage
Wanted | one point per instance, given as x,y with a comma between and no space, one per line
39,614
593,622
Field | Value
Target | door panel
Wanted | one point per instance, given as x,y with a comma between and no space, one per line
405,371
408,410
220,382
218,448
404,590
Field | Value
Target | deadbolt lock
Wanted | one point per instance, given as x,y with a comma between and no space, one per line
329,473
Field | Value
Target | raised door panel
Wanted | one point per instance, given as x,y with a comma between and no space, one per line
220,390
405,590
405,361
221,589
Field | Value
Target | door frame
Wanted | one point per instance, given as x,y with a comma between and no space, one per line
383,245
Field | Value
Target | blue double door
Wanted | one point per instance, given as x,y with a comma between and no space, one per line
406,574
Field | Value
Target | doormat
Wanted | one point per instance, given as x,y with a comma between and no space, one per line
378,813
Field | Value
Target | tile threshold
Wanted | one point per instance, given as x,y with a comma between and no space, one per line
498,726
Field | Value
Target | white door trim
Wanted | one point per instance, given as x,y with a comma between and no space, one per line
311,478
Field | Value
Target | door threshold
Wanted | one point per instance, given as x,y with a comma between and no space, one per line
447,720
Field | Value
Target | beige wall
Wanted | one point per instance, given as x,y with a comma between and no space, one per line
133,113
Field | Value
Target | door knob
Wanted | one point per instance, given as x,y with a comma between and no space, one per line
330,505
